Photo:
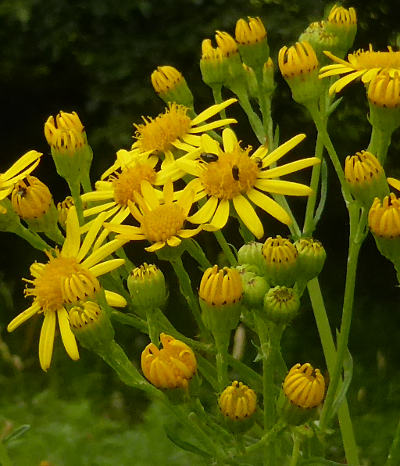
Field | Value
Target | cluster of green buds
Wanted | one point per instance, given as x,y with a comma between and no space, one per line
274,274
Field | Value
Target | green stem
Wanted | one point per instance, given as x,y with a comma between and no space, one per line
328,347
4,458
85,182
216,90
296,450
309,224
253,118
222,340
379,143
75,189
267,438
357,235
225,248
187,291
153,326
393,458
33,238
196,251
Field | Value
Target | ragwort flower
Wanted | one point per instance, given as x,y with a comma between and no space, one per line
232,176
175,129
161,223
364,64
69,276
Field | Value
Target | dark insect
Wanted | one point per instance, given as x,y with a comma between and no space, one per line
258,162
208,157
235,172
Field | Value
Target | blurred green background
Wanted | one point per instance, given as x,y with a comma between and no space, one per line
96,57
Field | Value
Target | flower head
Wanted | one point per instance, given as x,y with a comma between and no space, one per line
69,276
304,386
280,264
311,258
171,366
174,129
65,133
250,32
146,285
343,23
230,175
364,64
281,304
18,171
238,401
31,198
161,223
220,287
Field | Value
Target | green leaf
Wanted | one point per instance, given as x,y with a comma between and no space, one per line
184,445
18,432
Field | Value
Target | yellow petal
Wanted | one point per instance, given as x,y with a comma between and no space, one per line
155,246
221,215
168,192
205,213
91,236
23,317
73,236
149,195
289,167
282,150
107,266
213,125
209,145
46,340
269,205
99,195
22,164
211,111
67,337
173,241
248,215
101,253
342,82
288,188
114,299
229,140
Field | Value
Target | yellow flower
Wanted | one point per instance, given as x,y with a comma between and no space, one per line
69,276
19,170
112,195
238,401
364,64
384,90
232,176
170,367
161,223
298,60
174,129
166,77
304,386
221,287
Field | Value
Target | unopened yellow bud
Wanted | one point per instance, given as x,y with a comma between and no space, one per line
238,401
31,198
62,208
171,86
299,66
343,23
384,217
252,39
146,285
170,367
304,386
280,264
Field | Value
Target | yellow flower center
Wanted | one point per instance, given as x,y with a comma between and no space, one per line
163,222
233,173
61,281
158,134
128,182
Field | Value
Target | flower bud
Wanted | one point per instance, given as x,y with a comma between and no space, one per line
146,285
91,325
366,177
268,81
304,389
311,258
220,296
280,261
281,304
170,367
251,254
251,37
384,101
62,208
299,66
251,80
254,289
171,86
320,39
342,22
238,403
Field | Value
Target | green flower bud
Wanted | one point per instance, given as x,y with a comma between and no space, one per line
342,23
280,261
251,254
320,39
281,304
254,289
91,325
146,285
311,258
251,80
268,81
